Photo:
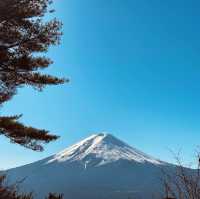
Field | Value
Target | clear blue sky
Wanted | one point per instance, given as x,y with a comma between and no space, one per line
135,72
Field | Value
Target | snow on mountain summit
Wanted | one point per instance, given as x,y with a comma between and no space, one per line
101,149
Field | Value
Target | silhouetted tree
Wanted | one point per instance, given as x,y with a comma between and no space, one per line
10,192
55,196
23,37
183,184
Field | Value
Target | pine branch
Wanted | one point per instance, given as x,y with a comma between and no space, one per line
28,137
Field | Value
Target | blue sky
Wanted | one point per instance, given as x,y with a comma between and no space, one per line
134,67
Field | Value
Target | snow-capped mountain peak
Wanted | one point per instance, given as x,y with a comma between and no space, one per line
100,166
101,149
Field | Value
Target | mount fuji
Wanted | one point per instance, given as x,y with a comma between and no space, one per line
98,167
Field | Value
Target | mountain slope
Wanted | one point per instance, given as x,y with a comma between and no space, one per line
98,167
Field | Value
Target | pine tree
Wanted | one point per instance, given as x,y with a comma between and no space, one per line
24,36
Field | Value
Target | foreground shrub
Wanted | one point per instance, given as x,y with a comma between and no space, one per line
11,192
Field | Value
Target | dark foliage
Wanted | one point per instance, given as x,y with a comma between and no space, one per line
10,192
55,196
23,38
184,183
